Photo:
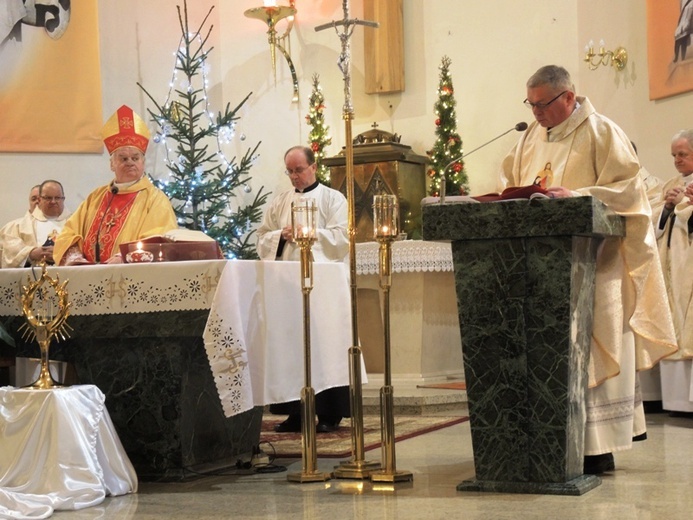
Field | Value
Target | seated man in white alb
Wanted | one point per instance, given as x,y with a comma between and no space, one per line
29,240
33,202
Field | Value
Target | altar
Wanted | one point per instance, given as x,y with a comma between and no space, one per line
425,330
188,353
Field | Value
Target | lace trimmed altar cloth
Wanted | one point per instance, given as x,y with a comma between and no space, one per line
123,288
254,333
407,256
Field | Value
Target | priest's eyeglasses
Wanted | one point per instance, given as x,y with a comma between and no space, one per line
542,106
52,199
297,171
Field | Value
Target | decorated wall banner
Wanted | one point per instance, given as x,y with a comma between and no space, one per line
50,85
670,47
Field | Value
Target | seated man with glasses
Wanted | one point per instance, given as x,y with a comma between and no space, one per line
28,240
275,242
576,151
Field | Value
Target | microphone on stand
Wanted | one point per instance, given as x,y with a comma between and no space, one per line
520,127
97,247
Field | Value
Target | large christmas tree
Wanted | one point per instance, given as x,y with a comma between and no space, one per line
203,185
448,143
319,136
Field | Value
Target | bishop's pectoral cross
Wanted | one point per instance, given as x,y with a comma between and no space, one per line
110,221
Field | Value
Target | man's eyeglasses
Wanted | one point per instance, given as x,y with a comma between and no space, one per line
52,199
542,106
297,171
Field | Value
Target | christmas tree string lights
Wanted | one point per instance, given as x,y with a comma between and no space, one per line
202,183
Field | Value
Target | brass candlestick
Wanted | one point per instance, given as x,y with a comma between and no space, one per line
42,322
385,229
357,467
303,230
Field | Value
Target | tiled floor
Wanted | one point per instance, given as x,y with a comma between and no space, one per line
652,481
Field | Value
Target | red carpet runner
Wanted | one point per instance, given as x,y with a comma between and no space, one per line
338,444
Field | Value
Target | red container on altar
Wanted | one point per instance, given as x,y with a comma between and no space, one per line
165,249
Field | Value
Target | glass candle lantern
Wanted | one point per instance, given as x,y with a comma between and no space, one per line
385,217
303,223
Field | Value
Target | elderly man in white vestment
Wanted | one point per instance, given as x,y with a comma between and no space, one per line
29,240
673,227
275,242
580,152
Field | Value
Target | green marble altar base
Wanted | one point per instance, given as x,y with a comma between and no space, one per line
159,390
524,277
577,486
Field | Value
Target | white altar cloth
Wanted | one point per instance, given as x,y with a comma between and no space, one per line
58,450
122,288
424,324
254,333
408,256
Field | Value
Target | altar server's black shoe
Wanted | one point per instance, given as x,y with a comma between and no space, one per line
328,424
290,425
598,464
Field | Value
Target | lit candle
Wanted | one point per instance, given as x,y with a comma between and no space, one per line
385,216
303,219
139,255
270,3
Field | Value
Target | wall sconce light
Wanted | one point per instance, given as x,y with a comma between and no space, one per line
271,13
617,59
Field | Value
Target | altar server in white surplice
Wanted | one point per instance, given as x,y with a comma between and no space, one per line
573,150
29,240
674,228
274,235
275,242
33,202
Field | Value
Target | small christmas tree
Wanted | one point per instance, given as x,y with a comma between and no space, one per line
448,143
318,138
202,183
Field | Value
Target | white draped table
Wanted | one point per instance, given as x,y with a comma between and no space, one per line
58,450
425,331
254,332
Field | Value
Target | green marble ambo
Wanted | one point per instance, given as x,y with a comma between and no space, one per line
524,276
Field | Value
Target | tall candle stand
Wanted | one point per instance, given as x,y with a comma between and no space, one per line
385,230
44,321
357,467
303,230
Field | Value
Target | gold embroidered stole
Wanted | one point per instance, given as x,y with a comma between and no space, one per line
107,225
